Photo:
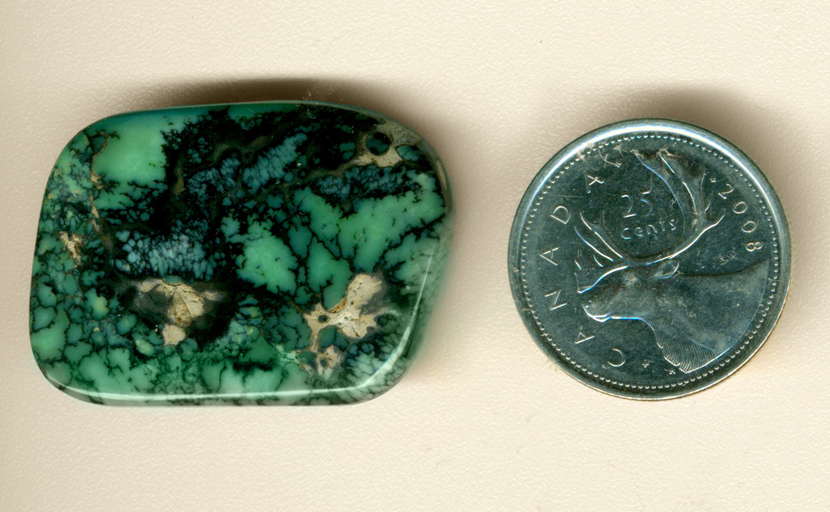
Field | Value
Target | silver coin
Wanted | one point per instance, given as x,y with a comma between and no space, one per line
650,259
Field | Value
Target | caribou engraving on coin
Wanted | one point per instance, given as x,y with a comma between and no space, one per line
652,289
650,259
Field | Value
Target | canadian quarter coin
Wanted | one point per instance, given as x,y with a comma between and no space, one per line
650,259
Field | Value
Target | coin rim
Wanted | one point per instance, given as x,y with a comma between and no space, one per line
673,127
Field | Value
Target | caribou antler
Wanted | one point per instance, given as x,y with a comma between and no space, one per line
607,256
687,191
692,205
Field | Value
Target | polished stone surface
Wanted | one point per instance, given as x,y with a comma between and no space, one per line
246,253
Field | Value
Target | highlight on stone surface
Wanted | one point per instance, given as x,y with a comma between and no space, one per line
246,253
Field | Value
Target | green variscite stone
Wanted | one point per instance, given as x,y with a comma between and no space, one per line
284,253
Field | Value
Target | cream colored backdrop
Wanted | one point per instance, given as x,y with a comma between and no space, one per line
482,421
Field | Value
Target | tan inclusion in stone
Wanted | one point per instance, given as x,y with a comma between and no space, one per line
398,136
352,316
185,305
73,244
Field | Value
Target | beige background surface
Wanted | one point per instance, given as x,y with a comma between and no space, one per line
483,421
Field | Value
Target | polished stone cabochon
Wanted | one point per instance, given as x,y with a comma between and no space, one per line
254,253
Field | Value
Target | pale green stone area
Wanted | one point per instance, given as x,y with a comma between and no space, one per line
265,260
135,156
285,253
